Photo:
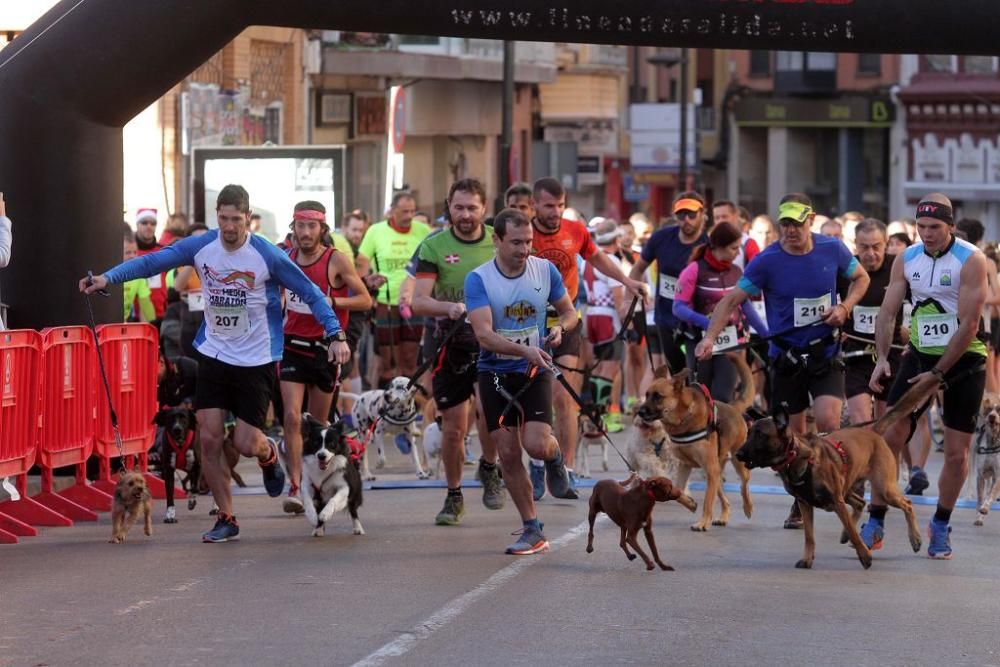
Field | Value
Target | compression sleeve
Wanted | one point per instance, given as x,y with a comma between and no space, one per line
684,312
748,287
759,325
178,254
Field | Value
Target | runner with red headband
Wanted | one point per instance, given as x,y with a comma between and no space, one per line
305,366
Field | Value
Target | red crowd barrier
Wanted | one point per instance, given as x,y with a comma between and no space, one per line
131,359
68,404
20,365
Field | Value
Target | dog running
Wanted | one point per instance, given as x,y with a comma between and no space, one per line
331,481
377,413
130,498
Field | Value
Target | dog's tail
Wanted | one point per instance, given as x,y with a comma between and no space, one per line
913,399
744,395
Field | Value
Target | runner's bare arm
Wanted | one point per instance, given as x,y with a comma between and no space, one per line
971,297
856,290
426,305
343,268
638,269
885,322
482,325
720,318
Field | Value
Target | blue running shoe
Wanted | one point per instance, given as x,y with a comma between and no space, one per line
939,546
531,541
872,534
226,529
537,480
572,481
403,443
918,482
560,484
274,476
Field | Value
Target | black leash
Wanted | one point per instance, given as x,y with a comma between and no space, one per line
104,373
429,361
649,348
629,316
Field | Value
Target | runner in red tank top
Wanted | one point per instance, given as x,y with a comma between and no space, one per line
560,241
305,365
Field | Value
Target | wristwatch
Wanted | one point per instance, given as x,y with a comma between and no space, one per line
339,337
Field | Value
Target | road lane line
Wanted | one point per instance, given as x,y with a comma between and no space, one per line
406,641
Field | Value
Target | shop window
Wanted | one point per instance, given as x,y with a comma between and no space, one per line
979,65
760,63
870,64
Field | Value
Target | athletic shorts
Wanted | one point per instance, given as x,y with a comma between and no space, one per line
307,362
454,377
858,373
962,400
243,390
571,341
995,334
392,329
795,389
610,351
536,401
670,347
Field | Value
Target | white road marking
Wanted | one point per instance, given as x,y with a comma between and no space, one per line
406,641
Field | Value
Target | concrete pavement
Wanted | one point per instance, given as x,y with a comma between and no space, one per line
411,593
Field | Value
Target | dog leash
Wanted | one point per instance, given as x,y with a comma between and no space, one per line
429,361
104,374
645,323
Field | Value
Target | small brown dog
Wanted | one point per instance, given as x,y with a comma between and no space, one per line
630,505
131,496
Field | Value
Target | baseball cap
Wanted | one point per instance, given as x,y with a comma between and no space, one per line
794,212
688,204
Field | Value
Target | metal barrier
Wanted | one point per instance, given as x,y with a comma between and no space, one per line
20,382
131,360
66,438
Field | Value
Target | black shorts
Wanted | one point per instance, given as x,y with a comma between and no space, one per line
995,334
454,377
307,362
610,351
536,401
962,400
428,342
858,373
571,341
243,390
796,388
670,347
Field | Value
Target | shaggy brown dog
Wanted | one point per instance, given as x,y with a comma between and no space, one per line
630,505
703,433
131,496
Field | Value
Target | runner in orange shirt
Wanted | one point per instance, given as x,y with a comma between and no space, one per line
560,241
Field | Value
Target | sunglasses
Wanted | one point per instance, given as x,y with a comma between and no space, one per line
790,222
686,215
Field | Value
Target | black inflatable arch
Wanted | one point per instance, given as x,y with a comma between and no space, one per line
72,80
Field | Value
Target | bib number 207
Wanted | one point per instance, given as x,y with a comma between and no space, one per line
227,321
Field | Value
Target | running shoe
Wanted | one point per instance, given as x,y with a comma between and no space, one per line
939,545
274,476
171,516
531,541
558,480
226,529
493,493
403,443
872,534
292,504
918,482
573,479
451,513
613,422
794,520
631,403
470,457
537,480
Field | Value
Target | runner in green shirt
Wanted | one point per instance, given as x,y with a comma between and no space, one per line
389,245
137,292
444,260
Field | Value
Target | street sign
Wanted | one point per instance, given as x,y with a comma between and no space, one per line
399,119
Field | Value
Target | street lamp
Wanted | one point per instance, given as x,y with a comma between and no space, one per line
669,59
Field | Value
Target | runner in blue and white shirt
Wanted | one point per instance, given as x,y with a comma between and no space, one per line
240,340
506,299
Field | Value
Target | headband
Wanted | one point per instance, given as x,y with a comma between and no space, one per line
308,214
794,211
936,210
607,237
688,204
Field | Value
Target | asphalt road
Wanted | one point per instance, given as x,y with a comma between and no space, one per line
411,593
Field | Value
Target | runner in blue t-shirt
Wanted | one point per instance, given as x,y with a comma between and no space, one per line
506,299
671,248
798,279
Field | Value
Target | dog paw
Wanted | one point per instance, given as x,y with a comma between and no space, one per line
866,559
169,519
590,548
192,503
720,522
358,528
116,540
650,566
318,531
844,537
632,556
423,475
699,528
666,568
369,478
583,475
148,532
807,564
380,463
979,521
605,466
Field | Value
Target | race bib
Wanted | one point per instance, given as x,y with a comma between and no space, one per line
228,321
809,311
761,311
527,337
725,340
936,330
864,319
155,282
295,304
196,302
668,286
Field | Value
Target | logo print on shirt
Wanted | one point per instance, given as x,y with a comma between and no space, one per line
520,311
916,275
452,259
244,279
946,278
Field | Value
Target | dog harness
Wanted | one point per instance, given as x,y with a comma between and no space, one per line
710,427
992,448
181,449
791,454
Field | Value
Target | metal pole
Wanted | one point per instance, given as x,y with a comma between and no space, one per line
682,171
507,122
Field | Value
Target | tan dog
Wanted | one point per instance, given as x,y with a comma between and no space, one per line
703,433
985,459
648,450
630,505
821,471
131,496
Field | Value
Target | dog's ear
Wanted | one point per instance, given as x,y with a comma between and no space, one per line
662,372
680,379
781,417
160,419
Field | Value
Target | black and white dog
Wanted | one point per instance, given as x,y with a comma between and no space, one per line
391,411
330,479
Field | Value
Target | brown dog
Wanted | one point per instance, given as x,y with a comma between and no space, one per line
703,433
820,471
131,496
630,505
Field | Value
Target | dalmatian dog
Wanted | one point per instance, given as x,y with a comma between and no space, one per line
392,411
